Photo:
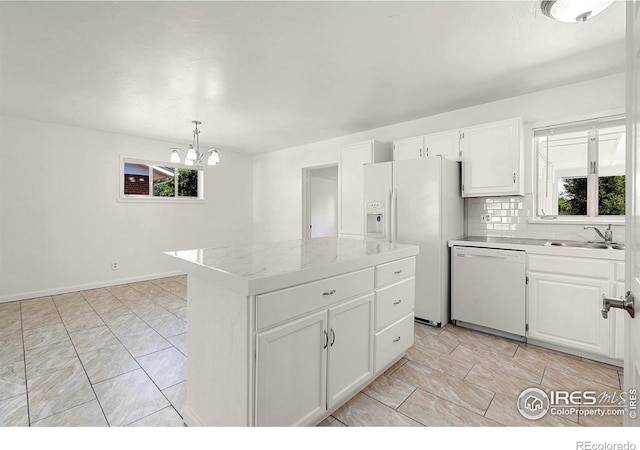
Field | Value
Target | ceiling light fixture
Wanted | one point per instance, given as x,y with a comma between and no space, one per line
574,10
193,154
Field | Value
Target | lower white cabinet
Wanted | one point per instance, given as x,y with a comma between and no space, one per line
565,310
308,365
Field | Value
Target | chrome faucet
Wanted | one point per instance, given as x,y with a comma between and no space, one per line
607,236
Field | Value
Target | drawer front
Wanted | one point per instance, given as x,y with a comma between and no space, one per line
581,267
394,271
620,271
393,341
278,306
394,302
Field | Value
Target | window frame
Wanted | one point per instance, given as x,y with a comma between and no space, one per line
133,198
591,125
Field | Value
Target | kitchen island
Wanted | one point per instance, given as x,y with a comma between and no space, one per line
284,333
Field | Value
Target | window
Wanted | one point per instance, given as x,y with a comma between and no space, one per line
580,168
157,180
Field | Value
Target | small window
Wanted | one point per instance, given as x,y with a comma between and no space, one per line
581,168
153,180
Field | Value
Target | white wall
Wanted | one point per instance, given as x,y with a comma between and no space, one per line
324,206
61,224
277,175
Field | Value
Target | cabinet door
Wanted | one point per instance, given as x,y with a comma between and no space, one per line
491,157
446,144
291,372
565,310
352,160
350,347
409,148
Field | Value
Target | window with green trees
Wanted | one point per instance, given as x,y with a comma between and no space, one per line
580,168
148,179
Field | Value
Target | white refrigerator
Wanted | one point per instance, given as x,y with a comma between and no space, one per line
418,202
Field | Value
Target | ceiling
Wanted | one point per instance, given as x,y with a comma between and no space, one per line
262,76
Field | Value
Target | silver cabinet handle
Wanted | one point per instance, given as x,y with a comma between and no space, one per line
331,292
396,339
398,302
397,272
326,339
333,337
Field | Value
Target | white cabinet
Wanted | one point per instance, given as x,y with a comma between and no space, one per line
445,144
351,183
292,372
492,159
565,310
409,148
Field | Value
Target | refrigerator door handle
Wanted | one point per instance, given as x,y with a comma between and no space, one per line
394,213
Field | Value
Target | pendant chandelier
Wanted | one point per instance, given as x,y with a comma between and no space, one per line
573,10
193,155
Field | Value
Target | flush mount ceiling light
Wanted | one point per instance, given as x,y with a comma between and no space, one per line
193,154
574,10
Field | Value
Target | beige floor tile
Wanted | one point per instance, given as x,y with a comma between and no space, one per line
167,417
148,341
528,370
427,339
557,379
169,301
83,321
113,308
462,393
58,391
488,343
401,362
177,395
130,296
96,295
149,313
433,411
9,317
8,307
327,422
589,370
129,397
107,362
180,342
503,409
168,326
92,339
11,348
492,378
12,380
543,356
147,288
166,367
40,318
621,378
33,305
126,325
14,411
177,289
85,415
68,298
72,309
43,336
362,410
389,390
449,364
50,358
181,313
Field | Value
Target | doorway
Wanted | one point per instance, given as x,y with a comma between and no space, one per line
320,201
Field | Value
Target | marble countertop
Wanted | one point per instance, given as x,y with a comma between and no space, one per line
537,246
262,267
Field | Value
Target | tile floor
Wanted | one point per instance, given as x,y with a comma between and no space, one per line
117,357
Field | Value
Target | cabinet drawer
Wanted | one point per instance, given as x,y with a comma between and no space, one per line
393,271
394,302
393,341
278,306
581,267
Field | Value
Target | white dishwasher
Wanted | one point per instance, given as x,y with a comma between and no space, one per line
488,288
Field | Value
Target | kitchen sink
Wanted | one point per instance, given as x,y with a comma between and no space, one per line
578,244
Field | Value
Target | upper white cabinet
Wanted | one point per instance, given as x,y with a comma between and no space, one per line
351,186
409,148
492,158
446,144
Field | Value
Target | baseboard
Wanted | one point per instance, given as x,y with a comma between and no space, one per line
190,419
84,287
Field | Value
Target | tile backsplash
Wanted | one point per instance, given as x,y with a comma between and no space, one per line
510,217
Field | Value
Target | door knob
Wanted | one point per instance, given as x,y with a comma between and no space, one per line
627,303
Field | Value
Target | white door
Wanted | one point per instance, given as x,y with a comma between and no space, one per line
350,347
323,202
445,144
292,372
632,326
409,148
352,161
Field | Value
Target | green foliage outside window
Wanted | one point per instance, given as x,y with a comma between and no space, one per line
573,197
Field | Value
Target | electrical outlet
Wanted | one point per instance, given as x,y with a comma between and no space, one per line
485,218
114,265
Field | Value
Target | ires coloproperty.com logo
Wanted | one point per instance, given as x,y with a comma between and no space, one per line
534,403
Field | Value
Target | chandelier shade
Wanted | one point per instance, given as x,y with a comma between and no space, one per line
193,155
